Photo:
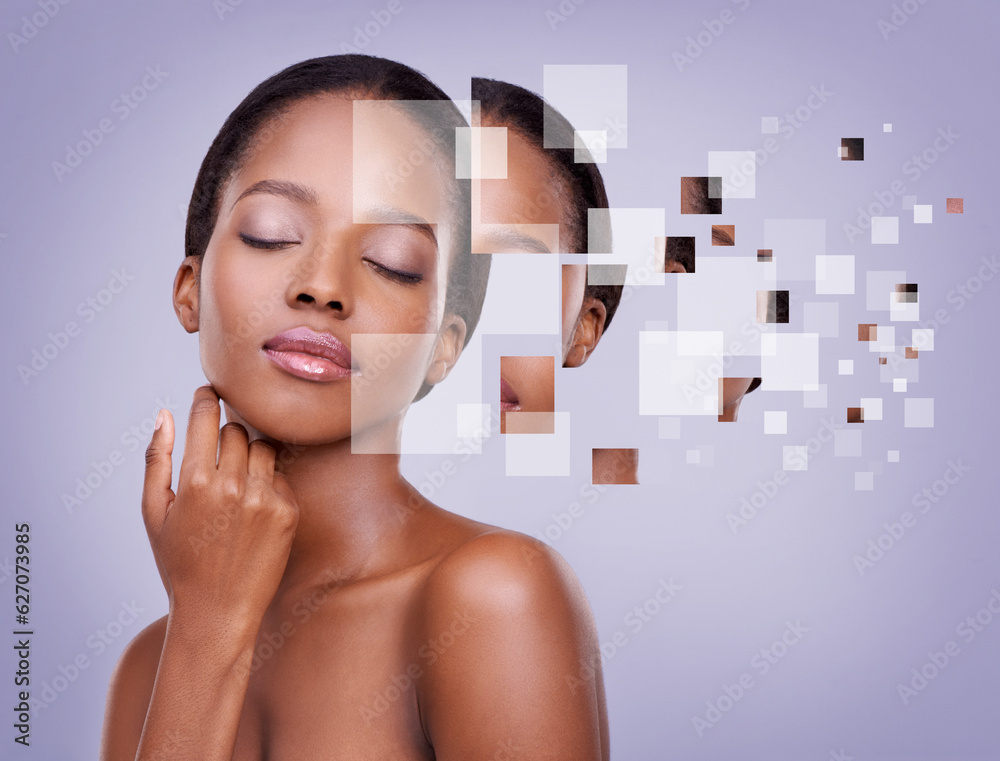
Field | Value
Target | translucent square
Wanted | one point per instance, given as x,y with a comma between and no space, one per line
775,422
885,229
904,311
847,442
769,125
676,372
908,202
795,458
738,170
481,153
591,97
923,214
834,274
821,317
864,481
634,239
885,339
789,361
845,367
899,385
815,399
887,127
473,420
892,455
922,339
693,457
591,146
918,412
540,454
872,407
534,282
669,428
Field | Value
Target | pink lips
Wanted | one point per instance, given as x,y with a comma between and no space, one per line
508,398
309,354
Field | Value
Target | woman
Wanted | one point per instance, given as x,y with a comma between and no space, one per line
318,605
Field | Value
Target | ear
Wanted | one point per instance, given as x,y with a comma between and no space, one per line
447,348
672,265
186,292
588,331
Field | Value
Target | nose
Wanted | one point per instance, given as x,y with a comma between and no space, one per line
322,277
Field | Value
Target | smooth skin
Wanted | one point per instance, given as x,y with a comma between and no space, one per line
319,606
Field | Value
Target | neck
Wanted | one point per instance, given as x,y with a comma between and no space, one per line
351,507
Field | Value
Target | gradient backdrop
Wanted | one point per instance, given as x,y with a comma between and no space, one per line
826,641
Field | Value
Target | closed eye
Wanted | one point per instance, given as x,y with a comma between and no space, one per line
407,278
269,245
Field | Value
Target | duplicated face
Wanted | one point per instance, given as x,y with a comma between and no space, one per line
525,213
321,237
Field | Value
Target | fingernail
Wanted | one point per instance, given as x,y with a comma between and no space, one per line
159,420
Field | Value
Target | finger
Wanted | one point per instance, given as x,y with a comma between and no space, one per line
283,489
233,441
156,492
260,461
202,442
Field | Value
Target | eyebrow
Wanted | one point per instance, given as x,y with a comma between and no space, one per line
382,215
503,237
290,190
391,215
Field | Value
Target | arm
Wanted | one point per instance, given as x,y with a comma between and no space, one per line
513,665
178,690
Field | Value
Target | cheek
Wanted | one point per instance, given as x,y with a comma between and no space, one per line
392,370
235,307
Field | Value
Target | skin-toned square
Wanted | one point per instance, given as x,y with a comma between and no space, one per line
527,385
867,331
679,255
855,415
765,255
955,206
723,235
615,466
911,353
852,149
701,195
772,306
883,361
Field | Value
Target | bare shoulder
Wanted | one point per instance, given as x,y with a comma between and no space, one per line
502,571
506,632
129,692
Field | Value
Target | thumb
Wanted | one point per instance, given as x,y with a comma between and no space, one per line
156,492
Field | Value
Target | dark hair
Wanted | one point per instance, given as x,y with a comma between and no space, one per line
529,115
363,77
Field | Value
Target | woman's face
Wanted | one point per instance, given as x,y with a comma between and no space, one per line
324,237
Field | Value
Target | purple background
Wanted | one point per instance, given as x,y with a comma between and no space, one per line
835,692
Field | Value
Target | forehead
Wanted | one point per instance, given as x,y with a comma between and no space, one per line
362,156
532,194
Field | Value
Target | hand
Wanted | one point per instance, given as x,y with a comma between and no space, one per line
222,542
